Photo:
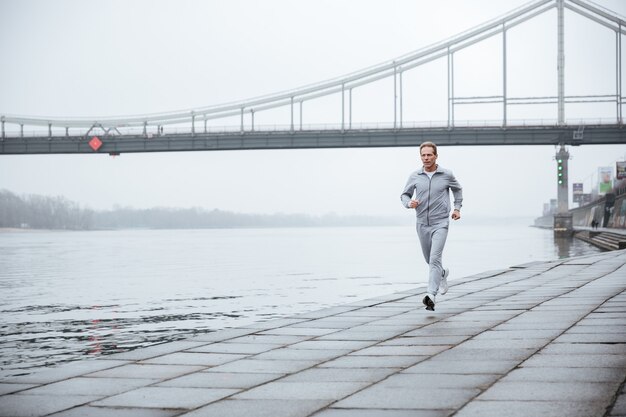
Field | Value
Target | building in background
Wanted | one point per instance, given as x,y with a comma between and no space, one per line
577,192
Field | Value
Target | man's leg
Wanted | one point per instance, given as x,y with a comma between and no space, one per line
423,234
437,242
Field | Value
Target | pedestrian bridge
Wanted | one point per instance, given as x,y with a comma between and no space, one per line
194,130
324,138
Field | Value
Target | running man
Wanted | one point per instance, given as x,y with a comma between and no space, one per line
428,192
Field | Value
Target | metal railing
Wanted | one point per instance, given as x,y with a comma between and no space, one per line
153,131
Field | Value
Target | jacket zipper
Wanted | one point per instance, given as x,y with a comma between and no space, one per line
430,179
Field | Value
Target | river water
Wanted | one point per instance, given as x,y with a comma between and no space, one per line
69,295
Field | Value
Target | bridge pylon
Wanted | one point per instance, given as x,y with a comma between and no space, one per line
562,219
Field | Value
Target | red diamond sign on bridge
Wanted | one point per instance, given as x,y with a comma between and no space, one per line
95,143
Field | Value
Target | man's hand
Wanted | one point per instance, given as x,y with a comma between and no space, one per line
456,214
413,203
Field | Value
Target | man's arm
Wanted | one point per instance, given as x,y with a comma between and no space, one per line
407,194
457,192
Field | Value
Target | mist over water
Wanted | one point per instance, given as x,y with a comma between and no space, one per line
71,295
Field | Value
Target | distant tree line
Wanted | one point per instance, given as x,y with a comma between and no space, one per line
42,212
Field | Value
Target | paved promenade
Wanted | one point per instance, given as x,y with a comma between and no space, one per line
542,339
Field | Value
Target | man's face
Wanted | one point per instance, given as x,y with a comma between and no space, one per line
429,159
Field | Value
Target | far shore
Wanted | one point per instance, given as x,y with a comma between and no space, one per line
26,230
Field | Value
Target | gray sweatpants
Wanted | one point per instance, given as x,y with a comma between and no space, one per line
433,239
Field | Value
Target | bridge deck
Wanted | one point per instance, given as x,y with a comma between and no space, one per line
301,139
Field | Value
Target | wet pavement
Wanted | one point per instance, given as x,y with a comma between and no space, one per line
541,339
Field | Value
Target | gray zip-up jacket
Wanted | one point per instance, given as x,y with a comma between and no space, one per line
433,195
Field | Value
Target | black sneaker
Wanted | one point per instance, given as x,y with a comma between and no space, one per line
429,302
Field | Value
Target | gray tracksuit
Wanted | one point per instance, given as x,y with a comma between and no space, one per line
433,195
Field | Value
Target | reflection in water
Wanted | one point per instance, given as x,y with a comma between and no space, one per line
105,329
41,344
563,246
571,247
60,303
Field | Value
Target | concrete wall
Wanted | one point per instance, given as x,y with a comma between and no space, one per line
608,211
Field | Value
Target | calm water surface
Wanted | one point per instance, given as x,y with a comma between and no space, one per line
68,295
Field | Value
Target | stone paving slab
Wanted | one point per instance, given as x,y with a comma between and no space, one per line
531,408
102,387
308,390
89,411
194,358
260,408
166,397
379,396
11,388
370,375
373,361
70,370
544,339
235,348
35,405
209,379
372,412
265,366
137,371
551,391
154,351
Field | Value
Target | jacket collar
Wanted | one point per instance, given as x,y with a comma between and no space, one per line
439,169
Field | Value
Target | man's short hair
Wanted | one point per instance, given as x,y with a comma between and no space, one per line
432,145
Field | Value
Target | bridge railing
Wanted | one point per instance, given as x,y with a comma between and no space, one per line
155,131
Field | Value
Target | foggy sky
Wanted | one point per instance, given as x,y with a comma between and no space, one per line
94,58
